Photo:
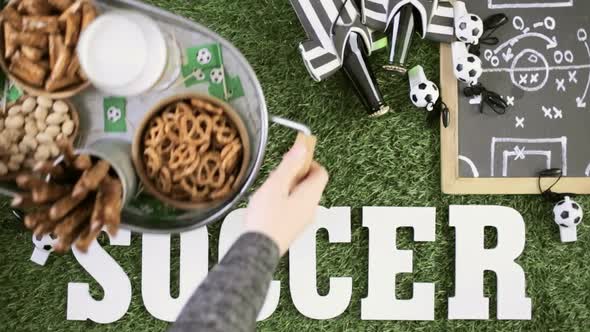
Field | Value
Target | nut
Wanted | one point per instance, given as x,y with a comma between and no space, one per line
60,107
31,127
40,113
30,141
29,105
14,110
67,128
14,149
53,150
54,119
52,131
1,123
42,153
41,125
30,162
3,168
43,138
17,158
44,101
13,166
14,122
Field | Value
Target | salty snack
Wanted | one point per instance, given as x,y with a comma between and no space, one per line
81,197
192,151
30,129
40,38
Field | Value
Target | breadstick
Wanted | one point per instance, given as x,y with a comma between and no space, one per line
72,29
64,205
45,24
112,203
82,162
49,192
22,200
34,39
36,218
60,83
66,242
10,44
61,4
67,149
11,16
88,15
97,218
85,239
91,178
70,223
28,181
55,44
35,7
61,63
32,53
27,70
75,7
47,167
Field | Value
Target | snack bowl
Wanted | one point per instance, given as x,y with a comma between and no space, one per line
239,170
66,91
74,115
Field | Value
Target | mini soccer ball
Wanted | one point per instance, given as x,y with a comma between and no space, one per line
568,215
113,114
469,28
216,75
468,69
199,75
204,56
424,94
43,247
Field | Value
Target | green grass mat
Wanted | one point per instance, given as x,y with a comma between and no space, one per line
391,161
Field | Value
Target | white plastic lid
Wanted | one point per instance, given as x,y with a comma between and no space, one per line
123,52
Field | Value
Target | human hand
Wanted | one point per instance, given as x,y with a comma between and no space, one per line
284,205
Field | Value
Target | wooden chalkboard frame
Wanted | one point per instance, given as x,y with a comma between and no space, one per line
451,183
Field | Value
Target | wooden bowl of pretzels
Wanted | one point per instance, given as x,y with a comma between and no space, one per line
189,151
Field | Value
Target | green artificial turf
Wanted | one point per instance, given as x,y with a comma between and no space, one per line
390,161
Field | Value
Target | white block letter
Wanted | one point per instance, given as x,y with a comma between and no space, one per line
109,275
471,259
302,267
155,271
231,229
386,261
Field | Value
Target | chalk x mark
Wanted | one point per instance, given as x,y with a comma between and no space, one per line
560,82
519,122
547,112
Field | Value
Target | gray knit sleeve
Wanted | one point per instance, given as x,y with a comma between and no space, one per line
233,293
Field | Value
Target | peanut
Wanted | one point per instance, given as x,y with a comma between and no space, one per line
42,153
40,113
54,119
67,128
52,131
14,110
41,125
17,158
1,123
44,101
13,166
31,128
29,105
3,168
14,149
14,122
53,150
60,107
43,138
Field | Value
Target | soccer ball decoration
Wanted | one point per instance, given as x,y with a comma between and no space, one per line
43,247
466,66
113,114
204,56
468,27
423,93
568,215
216,75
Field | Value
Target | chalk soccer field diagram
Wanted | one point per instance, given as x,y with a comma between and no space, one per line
541,67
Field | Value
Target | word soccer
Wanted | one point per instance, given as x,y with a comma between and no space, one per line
385,262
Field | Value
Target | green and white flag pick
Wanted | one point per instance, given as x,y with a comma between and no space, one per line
115,114
204,56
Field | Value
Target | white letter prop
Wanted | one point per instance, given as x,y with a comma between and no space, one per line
386,261
109,275
471,260
155,271
231,229
302,267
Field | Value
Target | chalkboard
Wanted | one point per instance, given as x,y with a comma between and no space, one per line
541,67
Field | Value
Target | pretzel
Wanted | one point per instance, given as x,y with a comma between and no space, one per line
155,134
223,191
182,155
209,171
224,133
207,107
164,180
230,160
153,161
191,186
188,170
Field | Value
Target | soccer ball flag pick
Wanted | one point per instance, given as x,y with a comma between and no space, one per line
468,27
568,215
43,247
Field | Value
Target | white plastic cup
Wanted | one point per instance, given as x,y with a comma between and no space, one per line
125,53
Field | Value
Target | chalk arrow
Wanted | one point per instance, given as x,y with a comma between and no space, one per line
508,55
580,103
552,43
